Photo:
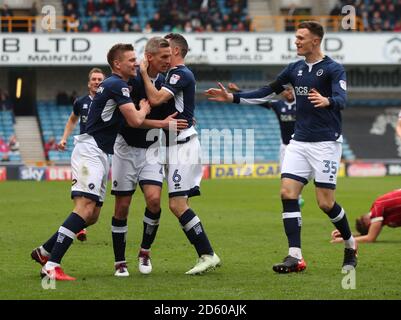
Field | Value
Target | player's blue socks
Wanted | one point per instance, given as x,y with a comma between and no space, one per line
48,245
339,219
292,222
119,230
66,235
193,229
150,226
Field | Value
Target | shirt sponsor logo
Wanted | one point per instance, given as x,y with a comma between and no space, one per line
301,91
174,78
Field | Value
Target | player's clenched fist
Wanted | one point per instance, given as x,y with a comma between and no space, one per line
144,105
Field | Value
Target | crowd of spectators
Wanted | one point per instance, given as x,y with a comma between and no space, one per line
8,147
160,16
376,15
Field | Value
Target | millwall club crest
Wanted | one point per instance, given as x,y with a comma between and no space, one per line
319,72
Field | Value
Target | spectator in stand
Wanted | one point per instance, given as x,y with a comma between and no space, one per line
130,7
114,25
397,27
136,28
235,15
73,23
51,144
94,24
127,23
33,11
5,157
5,11
156,23
70,10
5,102
13,144
148,28
91,8
188,26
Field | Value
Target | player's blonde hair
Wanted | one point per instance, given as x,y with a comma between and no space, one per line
154,44
95,70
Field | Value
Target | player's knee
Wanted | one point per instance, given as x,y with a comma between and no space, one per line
121,209
177,207
325,205
153,203
287,193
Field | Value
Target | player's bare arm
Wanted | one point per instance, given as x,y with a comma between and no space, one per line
156,97
373,233
179,124
317,99
135,117
69,127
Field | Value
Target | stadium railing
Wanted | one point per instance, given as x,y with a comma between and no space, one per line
30,24
289,23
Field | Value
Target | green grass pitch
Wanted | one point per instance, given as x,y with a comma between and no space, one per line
243,221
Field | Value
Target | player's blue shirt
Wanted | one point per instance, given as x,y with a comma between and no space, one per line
313,124
81,109
286,115
136,137
180,82
105,118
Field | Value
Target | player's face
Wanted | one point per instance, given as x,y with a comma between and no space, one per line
127,63
95,79
306,42
288,94
161,60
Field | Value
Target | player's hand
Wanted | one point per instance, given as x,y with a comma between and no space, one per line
144,105
336,237
317,99
219,94
143,66
233,87
62,145
175,124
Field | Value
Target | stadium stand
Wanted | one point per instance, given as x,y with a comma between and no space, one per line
52,119
159,16
6,132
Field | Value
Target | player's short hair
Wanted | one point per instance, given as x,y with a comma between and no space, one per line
179,41
361,226
95,70
155,43
314,27
116,51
